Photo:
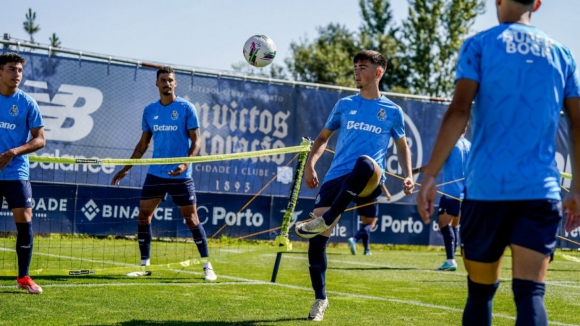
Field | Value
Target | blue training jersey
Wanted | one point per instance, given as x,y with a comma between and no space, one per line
169,126
365,128
524,77
19,113
454,169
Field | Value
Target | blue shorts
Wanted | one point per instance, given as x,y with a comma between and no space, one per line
330,190
18,193
488,227
182,191
449,205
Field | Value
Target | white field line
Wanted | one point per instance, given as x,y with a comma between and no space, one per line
288,286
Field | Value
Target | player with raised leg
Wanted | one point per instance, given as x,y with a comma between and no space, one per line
520,78
366,122
173,125
22,132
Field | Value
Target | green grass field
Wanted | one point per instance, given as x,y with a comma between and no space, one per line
394,286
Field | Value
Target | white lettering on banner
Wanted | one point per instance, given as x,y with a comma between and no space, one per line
49,204
401,226
63,109
573,234
527,42
228,119
6,125
564,165
247,218
164,128
105,168
363,126
339,231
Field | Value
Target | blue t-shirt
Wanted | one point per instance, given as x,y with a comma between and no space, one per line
169,126
454,169
19,113
524,77
365,128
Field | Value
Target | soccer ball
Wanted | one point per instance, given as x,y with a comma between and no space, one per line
259,50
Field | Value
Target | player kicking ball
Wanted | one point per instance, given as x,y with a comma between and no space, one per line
366,122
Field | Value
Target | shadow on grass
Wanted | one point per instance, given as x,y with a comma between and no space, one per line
207,323
379,268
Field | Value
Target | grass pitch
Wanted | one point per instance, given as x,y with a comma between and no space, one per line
394,286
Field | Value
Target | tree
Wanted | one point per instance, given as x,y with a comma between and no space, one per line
29,25
433,34
54,41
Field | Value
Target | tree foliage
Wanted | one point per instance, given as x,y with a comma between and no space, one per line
54,41
29,24
433,34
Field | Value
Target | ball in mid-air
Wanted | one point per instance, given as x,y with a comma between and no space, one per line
259,50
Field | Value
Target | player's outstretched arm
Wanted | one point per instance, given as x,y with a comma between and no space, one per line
37,142
310,176
140,149
195,137
571,203
452,126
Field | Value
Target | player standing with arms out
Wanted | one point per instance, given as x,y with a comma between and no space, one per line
173,125
520,79
366,122
21,132
449,208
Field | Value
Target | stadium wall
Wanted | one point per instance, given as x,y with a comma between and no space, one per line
93,108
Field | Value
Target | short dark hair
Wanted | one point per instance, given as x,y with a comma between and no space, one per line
10,57
525,2
371,56
165,70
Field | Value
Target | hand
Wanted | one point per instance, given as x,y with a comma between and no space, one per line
6,158
311,177
571,205
178,170
426,198
408,185
117,178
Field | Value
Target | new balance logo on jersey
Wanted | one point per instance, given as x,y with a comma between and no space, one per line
6,125
352,112
363,126
29,200
156,117
64,118
191,197
164,128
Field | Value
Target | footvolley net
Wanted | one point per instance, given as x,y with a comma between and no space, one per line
84,226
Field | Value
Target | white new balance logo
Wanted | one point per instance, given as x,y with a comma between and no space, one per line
352,112
156,117
29,200
192,198
90,210
64,108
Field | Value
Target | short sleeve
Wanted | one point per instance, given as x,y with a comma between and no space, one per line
192,119
333,121
469,61
34,116
398,130
144,125
572,86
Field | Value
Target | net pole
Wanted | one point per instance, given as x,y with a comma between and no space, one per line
282,239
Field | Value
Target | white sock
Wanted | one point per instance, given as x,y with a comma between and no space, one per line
145,262
207,265
451,261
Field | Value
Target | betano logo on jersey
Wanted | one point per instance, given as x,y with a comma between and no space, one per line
363,126
164,128
63,109
6,125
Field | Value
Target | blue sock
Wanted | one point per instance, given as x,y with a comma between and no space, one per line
479,302
144,235
200,240
529,297
354,183
449,241
318,264
24,244
456,232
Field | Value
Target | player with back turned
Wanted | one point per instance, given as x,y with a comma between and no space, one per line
173,125
520,79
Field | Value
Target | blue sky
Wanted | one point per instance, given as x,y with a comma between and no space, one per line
211,33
